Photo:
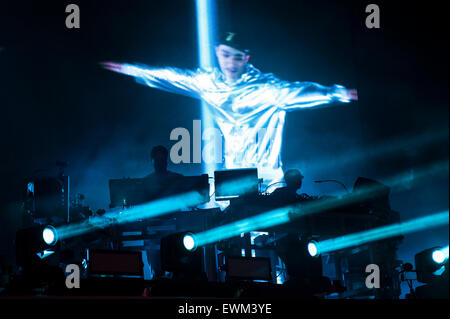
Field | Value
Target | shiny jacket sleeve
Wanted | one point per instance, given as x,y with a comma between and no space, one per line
169,79
296,95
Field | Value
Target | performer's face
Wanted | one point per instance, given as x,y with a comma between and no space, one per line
232,62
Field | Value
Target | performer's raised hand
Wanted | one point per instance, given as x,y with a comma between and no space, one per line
115,67
352,94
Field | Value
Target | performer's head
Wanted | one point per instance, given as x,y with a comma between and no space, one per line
293,179
232,56
159,157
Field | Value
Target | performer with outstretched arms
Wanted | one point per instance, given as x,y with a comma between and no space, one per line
249,106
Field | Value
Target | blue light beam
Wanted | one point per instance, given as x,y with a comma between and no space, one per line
205,32
286,214
414,225
152,209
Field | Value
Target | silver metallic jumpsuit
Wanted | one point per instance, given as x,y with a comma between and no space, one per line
250,113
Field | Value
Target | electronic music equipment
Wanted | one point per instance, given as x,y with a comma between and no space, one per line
48,198
133,191
236,182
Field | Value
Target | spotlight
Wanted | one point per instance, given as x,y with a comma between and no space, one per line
35,243
313,249
49,235
189,242
428,262
179,255
440,255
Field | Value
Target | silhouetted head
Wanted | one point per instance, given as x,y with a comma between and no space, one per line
293,179
159,157
232,56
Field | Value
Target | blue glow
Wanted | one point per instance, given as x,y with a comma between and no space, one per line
149,210
271,218
152,209
49,235
279,279
30,187
312,249
205,24
379,233
205,34
440,256
440,271
45,253
189,242
284,214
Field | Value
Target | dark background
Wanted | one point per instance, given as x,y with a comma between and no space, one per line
57,103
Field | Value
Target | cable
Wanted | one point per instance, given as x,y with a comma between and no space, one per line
272,185
334,181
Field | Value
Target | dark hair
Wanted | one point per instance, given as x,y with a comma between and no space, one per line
159,149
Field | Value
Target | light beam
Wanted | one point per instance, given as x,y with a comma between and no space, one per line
384,232
152,209
205,33
285,214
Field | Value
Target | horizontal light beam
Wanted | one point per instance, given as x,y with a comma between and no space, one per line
414,225
149,210
286,214
266,220
152,209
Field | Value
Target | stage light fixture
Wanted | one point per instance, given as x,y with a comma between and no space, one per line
313,249
439,256
49,235
179,255
35,243
189,242
430,264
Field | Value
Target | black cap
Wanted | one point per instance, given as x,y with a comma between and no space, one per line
234,40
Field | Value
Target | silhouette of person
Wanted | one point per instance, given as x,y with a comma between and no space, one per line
288,194
159,157
160,184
